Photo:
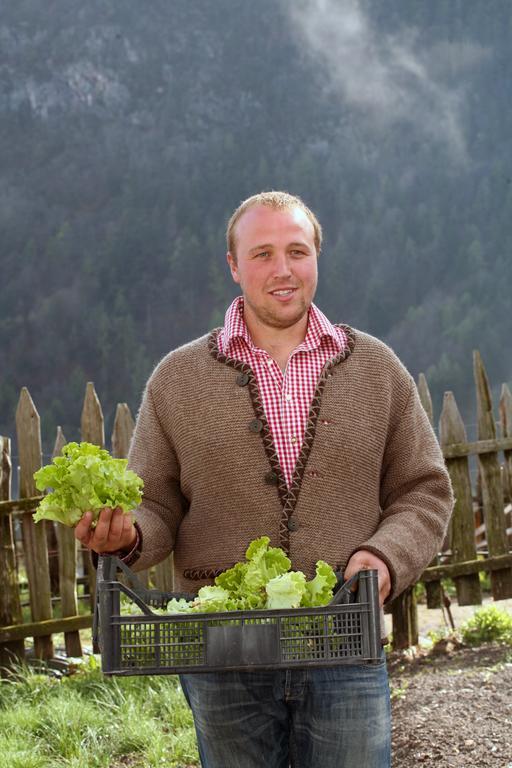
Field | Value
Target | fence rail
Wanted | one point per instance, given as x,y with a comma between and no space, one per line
479,538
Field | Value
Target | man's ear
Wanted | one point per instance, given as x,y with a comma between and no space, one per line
231,259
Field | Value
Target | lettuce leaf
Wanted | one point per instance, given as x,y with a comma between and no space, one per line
213,600
85,477
318,591
286,590
263,580
264,563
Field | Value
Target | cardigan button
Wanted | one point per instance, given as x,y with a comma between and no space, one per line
256,425
242,379
271,478
292,524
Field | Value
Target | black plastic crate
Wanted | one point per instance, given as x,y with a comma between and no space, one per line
345,632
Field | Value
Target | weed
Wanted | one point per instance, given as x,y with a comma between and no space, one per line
435,635
398,691
487,625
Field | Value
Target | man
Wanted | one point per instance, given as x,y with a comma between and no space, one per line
283,424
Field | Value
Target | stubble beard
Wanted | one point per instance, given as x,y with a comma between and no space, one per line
273,319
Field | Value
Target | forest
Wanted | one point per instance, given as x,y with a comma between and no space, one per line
130,131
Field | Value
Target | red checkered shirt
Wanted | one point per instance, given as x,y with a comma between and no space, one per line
286,396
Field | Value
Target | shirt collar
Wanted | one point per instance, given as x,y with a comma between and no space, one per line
234,325
319,327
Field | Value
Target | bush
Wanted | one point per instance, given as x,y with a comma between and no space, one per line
487,625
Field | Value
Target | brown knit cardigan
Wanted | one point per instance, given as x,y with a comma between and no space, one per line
370,474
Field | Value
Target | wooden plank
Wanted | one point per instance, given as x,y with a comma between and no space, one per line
492,490
67,569
45,628
425,397
405,623
28,429
53,553
121,438
490,564
92,431
18,506
478,447
122,432
433,588
506,431
164,574
462,524
10,606
92,423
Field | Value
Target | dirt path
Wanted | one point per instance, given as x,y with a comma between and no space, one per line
452,708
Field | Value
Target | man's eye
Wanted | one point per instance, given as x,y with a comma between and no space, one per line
262,254
297,253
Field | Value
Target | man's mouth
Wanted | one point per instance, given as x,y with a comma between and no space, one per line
283,291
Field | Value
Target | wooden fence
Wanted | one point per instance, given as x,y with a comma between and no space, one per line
55,567
480,534
48,552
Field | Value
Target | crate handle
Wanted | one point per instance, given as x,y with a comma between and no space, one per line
343,593
153,597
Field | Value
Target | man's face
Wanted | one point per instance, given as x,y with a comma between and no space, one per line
276,264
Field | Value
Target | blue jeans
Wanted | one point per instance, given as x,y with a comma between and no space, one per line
329,717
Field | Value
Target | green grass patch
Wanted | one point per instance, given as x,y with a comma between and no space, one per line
86,720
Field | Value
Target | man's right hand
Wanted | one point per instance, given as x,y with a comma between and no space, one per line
114,531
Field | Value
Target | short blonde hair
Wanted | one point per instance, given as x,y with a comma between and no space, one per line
279,201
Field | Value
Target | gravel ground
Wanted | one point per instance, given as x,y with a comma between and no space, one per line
452,706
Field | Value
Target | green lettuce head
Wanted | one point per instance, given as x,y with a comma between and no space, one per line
85,478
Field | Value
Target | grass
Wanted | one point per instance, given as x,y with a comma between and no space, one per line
86,720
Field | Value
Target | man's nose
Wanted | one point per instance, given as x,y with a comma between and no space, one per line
282,265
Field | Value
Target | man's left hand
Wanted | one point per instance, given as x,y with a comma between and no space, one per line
364,560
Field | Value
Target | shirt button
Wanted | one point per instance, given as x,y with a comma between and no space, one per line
294,439
271,478
288,396
292,524
242,379
269,361
256,425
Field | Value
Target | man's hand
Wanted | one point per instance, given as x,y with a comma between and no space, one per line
114,530
364,560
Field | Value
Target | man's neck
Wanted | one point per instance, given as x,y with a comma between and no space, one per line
278,342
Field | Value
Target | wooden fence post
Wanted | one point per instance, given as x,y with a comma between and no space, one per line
122,432
452,430
164,574
28,429
10,606
506,431
432,588
492,490
121,438
53,555
425,397
92,424
479,511
67,569
404,612
92,431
